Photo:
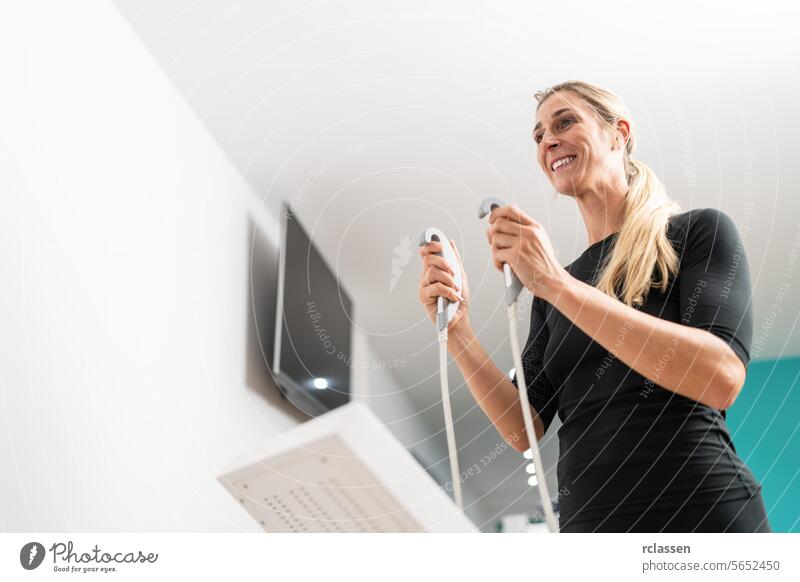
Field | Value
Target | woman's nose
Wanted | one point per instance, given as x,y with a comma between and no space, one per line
551,142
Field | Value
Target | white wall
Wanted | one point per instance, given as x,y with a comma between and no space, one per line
130,373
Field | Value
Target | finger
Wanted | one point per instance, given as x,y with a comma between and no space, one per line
435,275
505,255
503,241
434,290
507,226
431,247
440,263
510,212
498,264
510,256
442,290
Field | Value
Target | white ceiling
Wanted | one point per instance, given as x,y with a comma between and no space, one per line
377,119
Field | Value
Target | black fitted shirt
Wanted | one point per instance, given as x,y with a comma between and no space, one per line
627,445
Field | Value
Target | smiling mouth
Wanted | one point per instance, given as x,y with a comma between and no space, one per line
562,162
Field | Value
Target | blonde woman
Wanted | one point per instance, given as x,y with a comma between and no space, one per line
640,344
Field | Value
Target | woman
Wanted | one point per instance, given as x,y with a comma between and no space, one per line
640,344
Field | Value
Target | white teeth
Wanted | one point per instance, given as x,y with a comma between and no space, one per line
563,162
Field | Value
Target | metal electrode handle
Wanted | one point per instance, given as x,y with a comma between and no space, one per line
446,309
513,285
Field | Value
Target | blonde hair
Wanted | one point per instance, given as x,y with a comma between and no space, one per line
642,245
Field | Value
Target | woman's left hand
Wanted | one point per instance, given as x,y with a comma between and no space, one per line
523,243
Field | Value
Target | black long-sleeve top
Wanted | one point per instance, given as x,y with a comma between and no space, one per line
627,444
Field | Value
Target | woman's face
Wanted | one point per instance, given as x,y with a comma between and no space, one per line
575,151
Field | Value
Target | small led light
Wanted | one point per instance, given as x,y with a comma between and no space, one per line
531,469
532,481
320,383
528,454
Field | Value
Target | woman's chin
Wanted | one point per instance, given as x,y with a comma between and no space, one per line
568,179
565,187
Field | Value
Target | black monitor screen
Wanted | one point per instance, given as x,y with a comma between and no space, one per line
313,343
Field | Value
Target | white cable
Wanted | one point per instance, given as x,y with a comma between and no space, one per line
445,311
533,442
452,451
513,288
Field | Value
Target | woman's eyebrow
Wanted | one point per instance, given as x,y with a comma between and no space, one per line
555,114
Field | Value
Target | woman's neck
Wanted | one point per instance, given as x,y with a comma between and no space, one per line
603,210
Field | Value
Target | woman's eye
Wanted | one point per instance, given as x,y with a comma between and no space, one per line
563,123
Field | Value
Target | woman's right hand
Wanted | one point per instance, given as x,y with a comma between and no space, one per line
437,280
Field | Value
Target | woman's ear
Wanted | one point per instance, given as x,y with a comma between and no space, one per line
623,132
